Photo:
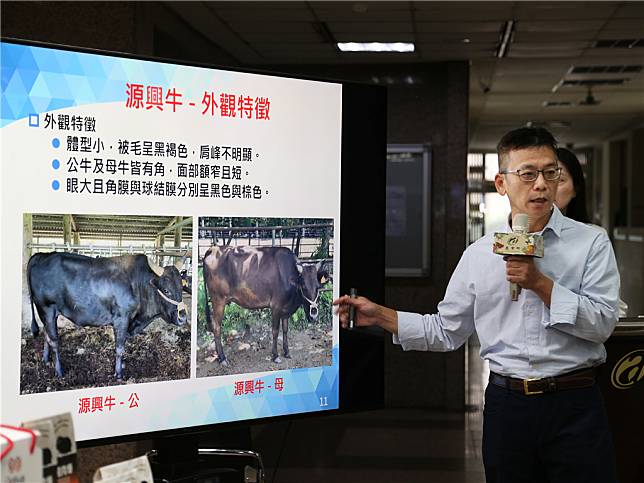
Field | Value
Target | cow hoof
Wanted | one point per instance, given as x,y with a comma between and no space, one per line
277,360
288,356
224,363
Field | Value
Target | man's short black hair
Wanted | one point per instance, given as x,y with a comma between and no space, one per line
522,138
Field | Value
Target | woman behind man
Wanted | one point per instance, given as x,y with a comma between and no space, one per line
571,195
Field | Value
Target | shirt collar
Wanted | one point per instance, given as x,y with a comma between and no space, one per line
555,223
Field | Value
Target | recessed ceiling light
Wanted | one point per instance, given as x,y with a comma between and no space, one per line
376,47
466,41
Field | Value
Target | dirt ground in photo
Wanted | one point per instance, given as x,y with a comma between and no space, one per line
159,353
251,351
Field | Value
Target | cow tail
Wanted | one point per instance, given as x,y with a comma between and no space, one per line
34,325
207,308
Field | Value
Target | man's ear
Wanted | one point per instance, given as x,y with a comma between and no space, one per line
499,184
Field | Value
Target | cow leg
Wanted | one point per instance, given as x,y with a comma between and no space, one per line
51,338
217,317
45,349
285,337
43,318
276,333
120,336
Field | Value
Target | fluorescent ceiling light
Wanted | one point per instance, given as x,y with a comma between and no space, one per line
376,47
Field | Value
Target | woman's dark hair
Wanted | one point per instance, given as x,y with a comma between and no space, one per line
577,207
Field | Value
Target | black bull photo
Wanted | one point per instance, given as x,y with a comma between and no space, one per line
257,278
127,292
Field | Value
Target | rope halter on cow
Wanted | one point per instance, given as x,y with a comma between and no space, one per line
313,308
180,305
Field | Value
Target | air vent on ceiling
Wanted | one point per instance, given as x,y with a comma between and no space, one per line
618,44
593,82
606,69
557,104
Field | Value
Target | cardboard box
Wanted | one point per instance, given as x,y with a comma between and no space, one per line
46,443
20,456
60,444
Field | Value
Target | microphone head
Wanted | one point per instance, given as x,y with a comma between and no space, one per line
520,223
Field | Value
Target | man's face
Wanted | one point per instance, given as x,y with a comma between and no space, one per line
534,198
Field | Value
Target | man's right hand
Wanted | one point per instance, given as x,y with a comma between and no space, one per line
367,313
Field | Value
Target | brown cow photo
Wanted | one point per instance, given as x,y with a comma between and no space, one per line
265,290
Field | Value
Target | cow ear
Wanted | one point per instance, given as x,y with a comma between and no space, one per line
323,276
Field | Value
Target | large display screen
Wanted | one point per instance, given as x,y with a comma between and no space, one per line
170,242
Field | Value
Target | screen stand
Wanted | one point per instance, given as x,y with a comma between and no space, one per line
201,458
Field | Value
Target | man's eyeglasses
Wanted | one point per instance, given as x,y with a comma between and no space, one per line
528,175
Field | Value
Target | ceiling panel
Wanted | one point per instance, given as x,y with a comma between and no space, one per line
629,10
523,67
564,10
266,14
636,55
277,27
549,38
626,24
477,12
543,54
459,50
458,27
458,36
399,14
252,6
619,34
524,36
549,47
555,26
262,37
360,28
375,37
449,9
313,49
540,85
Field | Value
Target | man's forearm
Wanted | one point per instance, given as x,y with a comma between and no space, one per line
543,289
388,319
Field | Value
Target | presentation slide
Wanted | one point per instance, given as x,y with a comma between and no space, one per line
170,242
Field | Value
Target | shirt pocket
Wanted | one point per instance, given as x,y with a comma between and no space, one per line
489,296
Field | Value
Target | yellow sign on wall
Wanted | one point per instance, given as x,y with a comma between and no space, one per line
629,370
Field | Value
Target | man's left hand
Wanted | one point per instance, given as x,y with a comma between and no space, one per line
523,272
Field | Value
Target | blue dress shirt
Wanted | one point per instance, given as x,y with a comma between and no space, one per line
526,339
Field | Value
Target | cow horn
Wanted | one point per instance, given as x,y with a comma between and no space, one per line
155,268
179,264
300,268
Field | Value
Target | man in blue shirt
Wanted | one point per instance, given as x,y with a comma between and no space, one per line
544,418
